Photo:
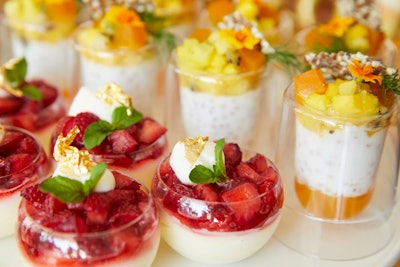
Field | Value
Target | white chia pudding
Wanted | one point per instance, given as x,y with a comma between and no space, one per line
51,61
233,117
338,162
139,79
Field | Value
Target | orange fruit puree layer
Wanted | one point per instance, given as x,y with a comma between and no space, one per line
330,207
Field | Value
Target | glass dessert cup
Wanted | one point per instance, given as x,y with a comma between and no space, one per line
132,242
137,71
209,231
215,105
38,117
46,46
28,165
341,174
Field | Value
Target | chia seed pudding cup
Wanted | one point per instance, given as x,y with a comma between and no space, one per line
45,43
341,174
137,71
217,105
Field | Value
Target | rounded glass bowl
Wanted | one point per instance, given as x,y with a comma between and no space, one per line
215,231
133,242
23,163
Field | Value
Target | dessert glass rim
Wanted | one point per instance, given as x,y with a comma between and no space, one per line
109,52
214,76
347,118
188,198
150,202
34,161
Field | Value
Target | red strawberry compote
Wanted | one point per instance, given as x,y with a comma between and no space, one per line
135,149
19,108
216,221
23,162
113,223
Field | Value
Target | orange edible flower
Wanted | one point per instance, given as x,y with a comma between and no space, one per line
337,26
364,72
240,39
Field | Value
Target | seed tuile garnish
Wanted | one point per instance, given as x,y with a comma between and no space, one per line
237,23
72,162
12,79
359,67
203,175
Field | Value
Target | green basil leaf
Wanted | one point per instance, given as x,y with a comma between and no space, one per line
121,120
96,132
202,175
16,75
32,92
65,189
219,167
95,176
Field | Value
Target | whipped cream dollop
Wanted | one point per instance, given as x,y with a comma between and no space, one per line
190,152
87,101
105,183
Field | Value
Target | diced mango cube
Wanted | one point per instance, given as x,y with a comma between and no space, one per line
346,104
369,102
332,90
308,82
194,55
356,38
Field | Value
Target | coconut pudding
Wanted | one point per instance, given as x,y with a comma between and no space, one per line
224,200
87,215
40,32
116,46
112,131
23,163
344,105
221,75
33,105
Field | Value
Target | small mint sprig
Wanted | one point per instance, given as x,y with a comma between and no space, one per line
69,190
97,131
203,175
16,77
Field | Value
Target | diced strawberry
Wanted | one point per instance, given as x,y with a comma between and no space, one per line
233,156
10,142
205,192
258,163
244,202
270,175
122,142
10,105
117,196
31,107
66,221
244,171
83,120
52,205
151,130
68,124
27,145
18,162
34,195
123,182
25,121
97,207
124,213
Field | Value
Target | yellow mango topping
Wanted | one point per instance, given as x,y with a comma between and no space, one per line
311,81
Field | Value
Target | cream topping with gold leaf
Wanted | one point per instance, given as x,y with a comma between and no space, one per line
190,152
76,164
101,102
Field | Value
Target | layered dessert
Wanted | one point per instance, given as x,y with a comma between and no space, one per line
357,29
112,131
87,215
23,163
33,105
222,73
117,46
276,23
219,204
40,31
343,109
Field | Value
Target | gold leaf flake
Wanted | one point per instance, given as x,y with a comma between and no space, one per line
112,94
194,147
